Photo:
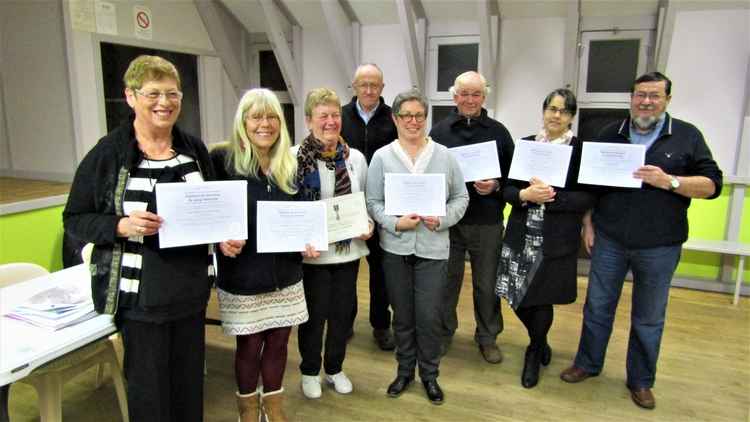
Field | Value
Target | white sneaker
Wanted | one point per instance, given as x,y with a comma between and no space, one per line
311,386
340,382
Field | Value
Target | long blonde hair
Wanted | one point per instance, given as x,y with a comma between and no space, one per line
244,156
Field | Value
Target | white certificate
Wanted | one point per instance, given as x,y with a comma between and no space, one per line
545,161
347,216
422,194
286,226
478,161
206,212
609,164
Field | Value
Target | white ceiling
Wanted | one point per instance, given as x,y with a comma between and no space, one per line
309,13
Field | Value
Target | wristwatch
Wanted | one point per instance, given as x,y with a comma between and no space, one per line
674,184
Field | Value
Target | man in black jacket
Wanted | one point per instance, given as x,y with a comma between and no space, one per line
480,230
642,230
366,125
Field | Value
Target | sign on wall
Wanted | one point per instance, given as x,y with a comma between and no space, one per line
143,22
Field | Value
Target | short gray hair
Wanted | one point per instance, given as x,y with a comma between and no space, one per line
462,78
362,66
410,95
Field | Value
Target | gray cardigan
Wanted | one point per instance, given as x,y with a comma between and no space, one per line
420,241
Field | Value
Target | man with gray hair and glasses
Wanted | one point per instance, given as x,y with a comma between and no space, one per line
366,125
480,231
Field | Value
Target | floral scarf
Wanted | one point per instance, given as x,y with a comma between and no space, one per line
308,176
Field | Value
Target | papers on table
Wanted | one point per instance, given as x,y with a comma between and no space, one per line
346,216
478,161
285,226
611,164
422,194
196,213
545,161
57,307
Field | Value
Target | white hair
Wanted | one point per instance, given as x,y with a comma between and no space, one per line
463,78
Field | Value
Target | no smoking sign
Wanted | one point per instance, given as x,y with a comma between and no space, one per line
143,22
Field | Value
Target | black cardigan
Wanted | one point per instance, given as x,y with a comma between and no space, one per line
562,217
367,138
252,273
95,202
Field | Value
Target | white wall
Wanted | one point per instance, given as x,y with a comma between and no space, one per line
708,64
177,26
37,109
320,68
4,146
51,78
382,45
531,65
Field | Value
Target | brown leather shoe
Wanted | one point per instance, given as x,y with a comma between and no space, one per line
491,353
643,397
575,374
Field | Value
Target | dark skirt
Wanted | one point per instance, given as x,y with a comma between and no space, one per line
555,282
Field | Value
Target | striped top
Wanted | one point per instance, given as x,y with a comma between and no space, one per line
140,195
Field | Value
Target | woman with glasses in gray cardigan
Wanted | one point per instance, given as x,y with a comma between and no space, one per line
415,247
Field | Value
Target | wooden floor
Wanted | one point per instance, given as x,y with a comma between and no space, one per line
17,190
704,374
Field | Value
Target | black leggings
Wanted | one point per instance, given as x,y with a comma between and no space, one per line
537,320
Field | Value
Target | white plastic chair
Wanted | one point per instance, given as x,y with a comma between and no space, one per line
48,379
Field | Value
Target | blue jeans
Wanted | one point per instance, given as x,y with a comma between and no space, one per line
652,274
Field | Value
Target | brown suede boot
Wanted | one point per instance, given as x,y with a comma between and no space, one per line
273,406
249,406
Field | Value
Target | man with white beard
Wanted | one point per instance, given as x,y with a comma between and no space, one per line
642,230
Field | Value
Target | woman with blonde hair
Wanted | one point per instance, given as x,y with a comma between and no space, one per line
260,294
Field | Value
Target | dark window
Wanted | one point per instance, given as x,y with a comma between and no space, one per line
591,121
115,61
612,65
440,112
453,60
289,117
270,73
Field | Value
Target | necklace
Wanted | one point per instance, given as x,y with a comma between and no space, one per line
153,180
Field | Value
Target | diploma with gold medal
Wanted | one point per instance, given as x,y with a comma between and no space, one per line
346,216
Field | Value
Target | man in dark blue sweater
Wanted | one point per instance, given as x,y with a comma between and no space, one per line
480,231
642,230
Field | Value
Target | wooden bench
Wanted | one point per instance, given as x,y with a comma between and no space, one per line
726,247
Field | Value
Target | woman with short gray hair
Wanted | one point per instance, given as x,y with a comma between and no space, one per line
415,246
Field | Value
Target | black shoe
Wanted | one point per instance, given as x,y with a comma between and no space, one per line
546,355
384,339
399,385
434,393
531,363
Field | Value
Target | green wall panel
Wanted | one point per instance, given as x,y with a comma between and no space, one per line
33,236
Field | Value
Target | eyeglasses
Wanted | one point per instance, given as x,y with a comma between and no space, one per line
154,96
366,86
419,117
653,96
259,119
554,110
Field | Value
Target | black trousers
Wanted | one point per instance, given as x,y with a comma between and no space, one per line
380,315
416,287
330,292
164,368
